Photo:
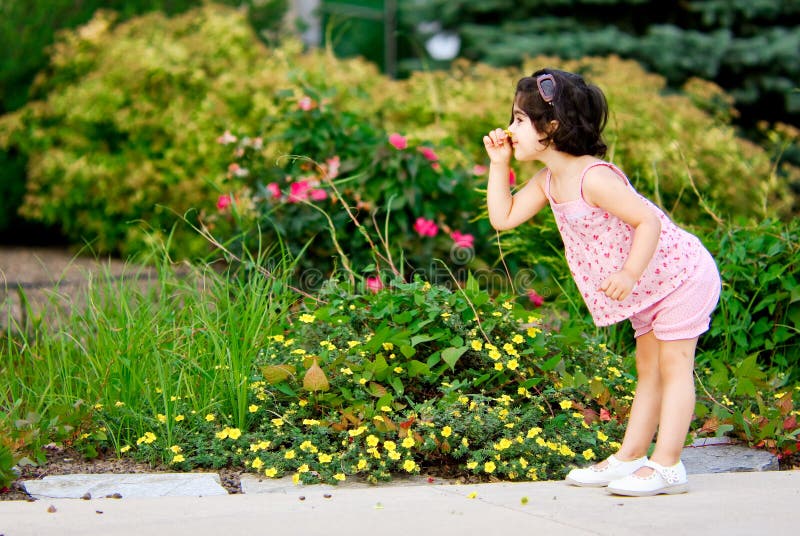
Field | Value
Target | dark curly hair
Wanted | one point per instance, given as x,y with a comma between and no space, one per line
580,110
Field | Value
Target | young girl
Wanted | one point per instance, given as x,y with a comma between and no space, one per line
629,260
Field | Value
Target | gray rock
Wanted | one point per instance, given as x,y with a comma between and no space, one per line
726,458
127,485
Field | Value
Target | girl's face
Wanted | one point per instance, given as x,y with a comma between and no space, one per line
526,138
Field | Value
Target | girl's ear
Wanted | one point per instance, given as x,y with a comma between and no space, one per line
552,126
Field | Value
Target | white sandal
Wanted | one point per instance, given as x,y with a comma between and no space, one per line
597,477
668,480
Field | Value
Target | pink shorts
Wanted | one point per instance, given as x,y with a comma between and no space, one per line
685,313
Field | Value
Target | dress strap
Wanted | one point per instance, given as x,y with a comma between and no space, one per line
613,168
547,186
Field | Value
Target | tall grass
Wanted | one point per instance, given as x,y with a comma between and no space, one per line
138,344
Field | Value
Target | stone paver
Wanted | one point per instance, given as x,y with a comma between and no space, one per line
126,485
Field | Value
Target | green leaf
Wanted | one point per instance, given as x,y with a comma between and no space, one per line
551,363
417,368
450,355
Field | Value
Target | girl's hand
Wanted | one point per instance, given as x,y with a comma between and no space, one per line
498,146
618,286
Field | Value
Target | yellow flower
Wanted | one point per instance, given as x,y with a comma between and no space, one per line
296,478
311,422
277,422
179,418
476,345
362,381
498,366
532,332
222,434
408,442
426,286
386,409
394,455
565,404
497,313
252,408
517,339
523,463
472,465
503,444
601,436
303,468
447,431
340,477
307,446
391,446
372,441
494,354
161,418
210,417
325,458
178,458
358,431
126,448
148,438
489,467
278,338
513,364
346,371
353,344
588,454
564,450
234,433
257,464
362,464
176,449
307,318
290,455
119,404
409,465
271,472
388,346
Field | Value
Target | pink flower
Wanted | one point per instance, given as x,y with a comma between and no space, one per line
477,169
374,284
462,240
605,415
436,166
223,202
298,191
235,170
333,167
274,189
429,154
512,177
306,103
535,298
318,194
227,138
399,142
425,227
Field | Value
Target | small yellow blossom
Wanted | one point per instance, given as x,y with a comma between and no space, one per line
494,354
565,404
346,371
446,431
588,454
388,346
257,464
517,339
394,455
278,422
390,446
386,409
408,442
601,436
161,418
178,458
489,467
503,444
210,417
472,465
125,448
513,364
272,472
498,366
290,455
476,345
340,477
176,449
398,370
564,450
308,446
325,458
147,438
372,441
252,408
362,464
409,465
179,418
311,422
307,318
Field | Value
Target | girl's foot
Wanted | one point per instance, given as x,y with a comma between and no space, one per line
661,479
612,468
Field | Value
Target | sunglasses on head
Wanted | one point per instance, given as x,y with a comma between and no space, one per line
547,87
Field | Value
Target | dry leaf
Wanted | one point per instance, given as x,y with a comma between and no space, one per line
315,379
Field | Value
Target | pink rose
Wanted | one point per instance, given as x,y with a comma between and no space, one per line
399,142
223,202
477,169
226,138
306,103
274,190
535,298
429,154
374,284
425,227
298,191
318,194
333,167
462,240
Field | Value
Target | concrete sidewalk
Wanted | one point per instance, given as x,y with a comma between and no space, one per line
726,503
